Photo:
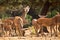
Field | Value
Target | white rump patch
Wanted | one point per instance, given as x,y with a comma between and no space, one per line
35,19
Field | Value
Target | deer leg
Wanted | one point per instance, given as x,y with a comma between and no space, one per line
36,30
59,28
20,29
6,33
20,32
10,32
42,30
16,30
2,29
51,30
37,33
56,30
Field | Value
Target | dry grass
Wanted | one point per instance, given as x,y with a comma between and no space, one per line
29,38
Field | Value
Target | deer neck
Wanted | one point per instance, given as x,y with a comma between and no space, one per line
25,11
23,15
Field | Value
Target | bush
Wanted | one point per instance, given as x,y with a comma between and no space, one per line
4,15
29,18
53,13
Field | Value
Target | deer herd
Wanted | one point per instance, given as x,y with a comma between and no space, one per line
18,22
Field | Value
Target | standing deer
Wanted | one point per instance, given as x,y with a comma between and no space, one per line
44,22
24,13
18,24
7,26
36,26
56,19
17,21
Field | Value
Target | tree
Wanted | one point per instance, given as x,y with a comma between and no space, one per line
40,6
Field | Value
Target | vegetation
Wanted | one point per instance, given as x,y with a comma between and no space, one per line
41,7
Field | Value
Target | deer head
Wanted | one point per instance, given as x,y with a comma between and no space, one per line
25,11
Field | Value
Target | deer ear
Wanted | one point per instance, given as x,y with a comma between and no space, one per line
42,15
39,15
57,13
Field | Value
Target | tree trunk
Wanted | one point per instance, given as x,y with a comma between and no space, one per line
45,8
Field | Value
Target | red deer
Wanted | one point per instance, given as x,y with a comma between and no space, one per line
56,19
16,22
7,25
22,19
24,13
44,22
10,23
36,26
